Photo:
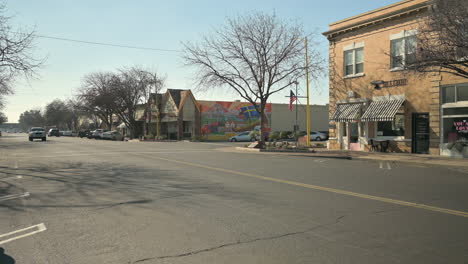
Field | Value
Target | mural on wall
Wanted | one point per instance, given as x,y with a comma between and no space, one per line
222,120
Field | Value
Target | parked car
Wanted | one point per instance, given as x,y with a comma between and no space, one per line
54,132
97,134
327,133
113,135
243,136
37,132
67,133
83,133
318,136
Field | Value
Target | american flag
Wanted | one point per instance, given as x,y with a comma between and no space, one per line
292,99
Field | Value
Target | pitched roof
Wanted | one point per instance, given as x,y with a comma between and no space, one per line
176,95
158,99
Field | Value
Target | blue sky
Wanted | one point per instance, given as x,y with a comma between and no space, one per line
147,23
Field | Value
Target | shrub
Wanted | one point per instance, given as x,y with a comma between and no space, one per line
254,134
275,135
285,134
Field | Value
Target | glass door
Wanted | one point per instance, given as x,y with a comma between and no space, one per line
420,133
354,136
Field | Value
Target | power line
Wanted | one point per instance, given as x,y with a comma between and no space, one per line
102,43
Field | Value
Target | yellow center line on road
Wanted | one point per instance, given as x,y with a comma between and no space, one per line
326,189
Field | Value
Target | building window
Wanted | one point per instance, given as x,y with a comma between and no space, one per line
403,51
455,93
456,130
354,61
395,128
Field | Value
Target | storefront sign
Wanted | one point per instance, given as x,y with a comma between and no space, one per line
401,82
461,126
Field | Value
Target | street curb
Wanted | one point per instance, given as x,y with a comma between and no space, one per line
310,153
434,162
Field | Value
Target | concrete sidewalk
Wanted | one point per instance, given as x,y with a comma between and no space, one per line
358,155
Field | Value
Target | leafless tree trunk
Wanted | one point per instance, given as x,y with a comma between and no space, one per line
443,39
256,55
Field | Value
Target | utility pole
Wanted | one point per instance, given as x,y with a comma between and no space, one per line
296,126
307,82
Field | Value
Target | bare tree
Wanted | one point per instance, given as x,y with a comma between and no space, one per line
96,96
443,39
15,53
256,55
132,88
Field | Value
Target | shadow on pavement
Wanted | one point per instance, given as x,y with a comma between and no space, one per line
5,259
105,185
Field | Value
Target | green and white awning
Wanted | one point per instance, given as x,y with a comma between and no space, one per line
347,112
382,110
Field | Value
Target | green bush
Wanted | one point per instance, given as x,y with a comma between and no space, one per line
254,134
285,134
275,135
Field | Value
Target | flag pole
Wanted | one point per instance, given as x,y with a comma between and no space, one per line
307,82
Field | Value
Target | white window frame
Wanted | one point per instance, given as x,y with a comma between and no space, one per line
402,35
352,47
455,88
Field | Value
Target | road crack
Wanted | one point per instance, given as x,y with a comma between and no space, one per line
195,252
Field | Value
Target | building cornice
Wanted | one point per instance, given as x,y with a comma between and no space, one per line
378,19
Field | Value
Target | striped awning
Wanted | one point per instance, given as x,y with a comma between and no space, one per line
382,110
347,112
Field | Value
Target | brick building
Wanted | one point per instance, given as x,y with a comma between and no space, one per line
373,99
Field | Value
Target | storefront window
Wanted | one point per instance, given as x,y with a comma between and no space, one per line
455,93
462,92
448,94
395,128
456,130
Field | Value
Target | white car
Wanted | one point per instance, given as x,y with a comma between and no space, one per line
113,135
97,134
67,133
37,132
244,136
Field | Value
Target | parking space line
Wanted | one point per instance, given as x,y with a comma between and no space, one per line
325,189
14,196
39,228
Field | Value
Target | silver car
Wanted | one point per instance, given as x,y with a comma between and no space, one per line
113,135
37,132
318,136
244,136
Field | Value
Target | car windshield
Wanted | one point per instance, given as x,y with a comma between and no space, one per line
37,129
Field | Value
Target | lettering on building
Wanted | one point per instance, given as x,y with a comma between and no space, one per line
393,83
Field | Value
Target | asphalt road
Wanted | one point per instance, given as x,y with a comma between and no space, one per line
71,200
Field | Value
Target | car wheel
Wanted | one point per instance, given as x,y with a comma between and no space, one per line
30,139
44,139
233,140
318,139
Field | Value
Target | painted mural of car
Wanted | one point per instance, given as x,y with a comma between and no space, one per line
241,137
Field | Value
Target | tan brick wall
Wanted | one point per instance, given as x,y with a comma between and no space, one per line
422,91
